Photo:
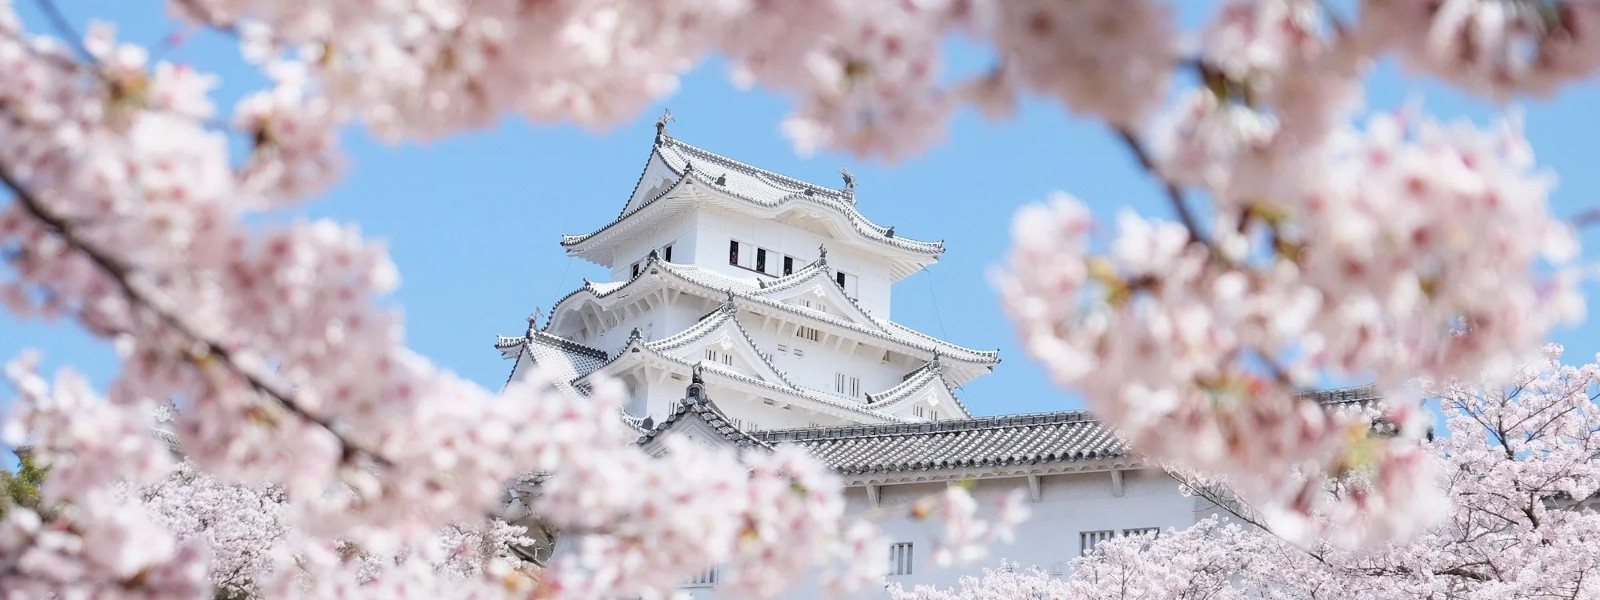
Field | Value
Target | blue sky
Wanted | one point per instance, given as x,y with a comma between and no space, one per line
473,221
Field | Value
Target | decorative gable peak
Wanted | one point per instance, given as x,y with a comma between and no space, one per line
661,125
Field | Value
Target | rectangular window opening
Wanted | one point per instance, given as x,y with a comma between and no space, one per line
788,265
733,253
900,558
1088,539
761,260
666,253
704,580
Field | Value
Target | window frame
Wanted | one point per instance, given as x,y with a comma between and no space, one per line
902,558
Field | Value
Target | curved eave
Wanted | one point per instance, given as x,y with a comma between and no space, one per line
724,318
637,350
924,377
900,336
708,413
817,275
787,189
594,246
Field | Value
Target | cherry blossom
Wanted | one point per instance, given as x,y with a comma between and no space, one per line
1520,469
1332,243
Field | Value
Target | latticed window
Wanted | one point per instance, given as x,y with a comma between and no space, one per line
721,357
900,558
808,333
847,385
1087,540
704,580
1141,531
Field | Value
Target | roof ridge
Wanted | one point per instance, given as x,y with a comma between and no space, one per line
566,344
972,424
751,169
676,270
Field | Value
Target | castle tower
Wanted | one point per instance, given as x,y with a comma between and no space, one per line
777,288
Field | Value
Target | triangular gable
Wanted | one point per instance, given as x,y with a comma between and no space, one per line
697,420
925,388
658,177
818,291
721,343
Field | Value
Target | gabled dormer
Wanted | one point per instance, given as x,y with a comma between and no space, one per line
718,342
696,420
924,395
817,287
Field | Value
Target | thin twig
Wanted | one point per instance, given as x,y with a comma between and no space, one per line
1174,194
64,28
122,278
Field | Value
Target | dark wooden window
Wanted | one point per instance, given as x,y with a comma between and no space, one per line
733,253
761,259
788,265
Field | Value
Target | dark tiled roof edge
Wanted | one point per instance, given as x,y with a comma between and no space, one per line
850,431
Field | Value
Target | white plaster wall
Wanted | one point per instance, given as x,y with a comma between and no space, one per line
1070,504
814,368
716,228
819,362
679,232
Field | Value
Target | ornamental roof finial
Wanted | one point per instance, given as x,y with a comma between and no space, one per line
533,320
822,254
654,256
890,232
661,125
697,383
728,306
849,181
934,364
635,335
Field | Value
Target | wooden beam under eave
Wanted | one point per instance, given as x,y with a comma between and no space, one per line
1035,487
873,495
1116,482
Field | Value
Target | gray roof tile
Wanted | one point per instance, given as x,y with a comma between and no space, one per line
981,442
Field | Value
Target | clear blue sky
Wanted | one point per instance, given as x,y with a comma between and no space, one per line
473,221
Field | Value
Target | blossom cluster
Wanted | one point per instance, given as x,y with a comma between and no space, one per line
1389,250
1397,250
1520,473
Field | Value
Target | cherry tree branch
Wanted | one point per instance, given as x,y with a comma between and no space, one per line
1174,194
64,28
203,350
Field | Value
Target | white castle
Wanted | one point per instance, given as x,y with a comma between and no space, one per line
752,309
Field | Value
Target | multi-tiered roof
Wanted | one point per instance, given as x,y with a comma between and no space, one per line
745,317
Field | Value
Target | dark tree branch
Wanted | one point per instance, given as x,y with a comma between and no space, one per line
205,349
1174,194
64,28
